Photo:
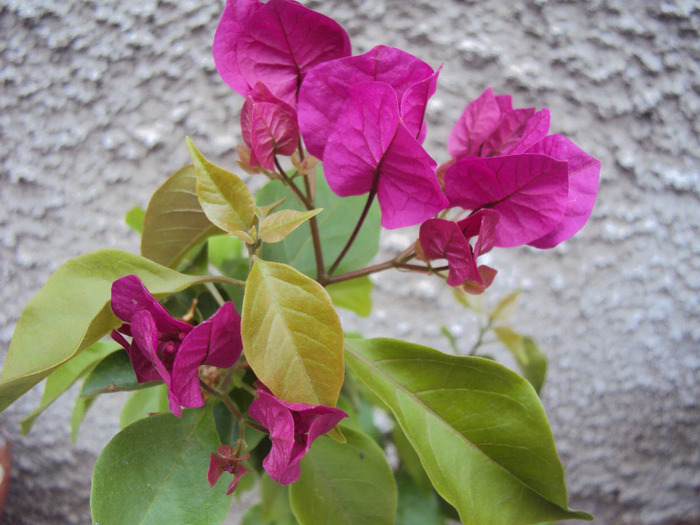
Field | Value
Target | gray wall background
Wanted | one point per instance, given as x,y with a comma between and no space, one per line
97,97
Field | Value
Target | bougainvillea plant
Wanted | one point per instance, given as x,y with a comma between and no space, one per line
225,328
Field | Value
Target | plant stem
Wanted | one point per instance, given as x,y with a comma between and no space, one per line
479,341
228,402
315,234
360,222
290,183
221,279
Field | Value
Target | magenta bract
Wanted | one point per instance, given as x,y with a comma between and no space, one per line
583,171
226,461
276,43
528,190
371,150
167,349
293,427
269,127
326,88
442,239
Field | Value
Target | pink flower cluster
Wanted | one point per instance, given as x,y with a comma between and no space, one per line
364,117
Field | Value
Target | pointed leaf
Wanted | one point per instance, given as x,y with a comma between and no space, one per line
506,307
479,429
154,472
82,405
225,198
174,222
292,336
528,190
531,361
65,376
72,311
277,226
334,229
354,295
350,484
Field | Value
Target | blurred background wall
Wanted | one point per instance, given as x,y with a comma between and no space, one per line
96,98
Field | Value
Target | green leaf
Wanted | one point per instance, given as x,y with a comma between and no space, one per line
531,361
354,295
275,227
134,218
143,402
175,222
224,197
410,461
350,484
113,374
65,376
224,248
416,506
274,501
335,226
292,336
81,407
505,307
155,471
72,311
478,428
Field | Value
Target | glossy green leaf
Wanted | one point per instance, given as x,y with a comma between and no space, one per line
354,295
155,472
348,484
225,198
72,311
224,248
335,226
65,376
531,361
143,402
410,461
134,218
505,307
174,222
416,506
275,227
274,501
113,374
478,428
82,405
292,336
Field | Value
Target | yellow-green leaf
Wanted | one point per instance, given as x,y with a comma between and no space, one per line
531,361
277,226
354,294
174,222
505,307
225,198
292,337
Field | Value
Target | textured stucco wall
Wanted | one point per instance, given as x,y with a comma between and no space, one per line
97,97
